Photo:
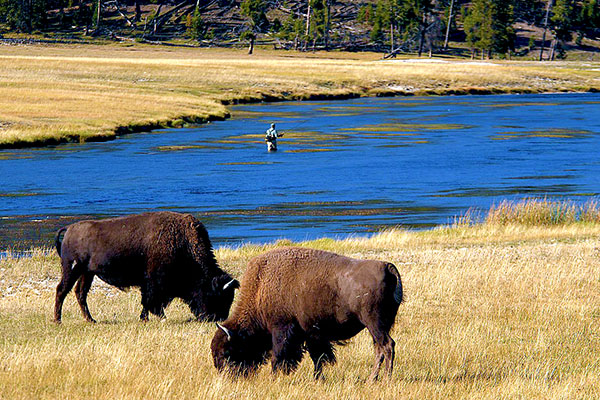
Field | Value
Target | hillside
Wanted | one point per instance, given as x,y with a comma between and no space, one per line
222,23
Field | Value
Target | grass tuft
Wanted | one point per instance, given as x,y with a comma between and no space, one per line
543,212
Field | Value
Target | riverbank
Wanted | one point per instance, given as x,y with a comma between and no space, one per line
491,311
53,94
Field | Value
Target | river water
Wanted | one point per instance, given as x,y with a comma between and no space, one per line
344,168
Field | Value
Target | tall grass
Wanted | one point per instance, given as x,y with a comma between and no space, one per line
491,311
543,212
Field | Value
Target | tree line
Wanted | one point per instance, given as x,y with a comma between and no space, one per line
487,27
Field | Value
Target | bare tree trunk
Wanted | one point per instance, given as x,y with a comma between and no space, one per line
450,15
122,14
98,14
155,21
138,12
327,25
391,37
422,34
160,20
545,29
251,48
307,31
553,52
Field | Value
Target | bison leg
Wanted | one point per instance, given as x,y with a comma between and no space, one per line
151,302
81,291
321,353
384,350
287,348
144,314
156,310
71,271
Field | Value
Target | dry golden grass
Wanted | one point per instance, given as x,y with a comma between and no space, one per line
92,92
536,212
491,311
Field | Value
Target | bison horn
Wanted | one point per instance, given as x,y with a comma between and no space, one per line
227,332
231,282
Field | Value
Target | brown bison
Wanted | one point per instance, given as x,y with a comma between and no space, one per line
165,254
295,299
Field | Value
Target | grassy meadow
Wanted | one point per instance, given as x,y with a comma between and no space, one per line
57,93
507,308
493,310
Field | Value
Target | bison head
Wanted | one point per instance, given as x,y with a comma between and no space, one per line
213,301
239,351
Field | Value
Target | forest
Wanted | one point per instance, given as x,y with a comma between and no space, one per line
478,28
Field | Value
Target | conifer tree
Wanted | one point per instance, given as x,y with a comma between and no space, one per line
589,19
255,10
562,20
488,27
195,25
318,21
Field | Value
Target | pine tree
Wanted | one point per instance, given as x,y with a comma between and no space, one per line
502,27
195,25
318,21
255,10
39,19
16,14
478,25
488,26
292,29
589,19
419,13
24,15
563,24
379,21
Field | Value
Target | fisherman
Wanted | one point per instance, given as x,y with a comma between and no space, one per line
271,138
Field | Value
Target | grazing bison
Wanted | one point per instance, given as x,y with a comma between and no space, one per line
165,254
294,299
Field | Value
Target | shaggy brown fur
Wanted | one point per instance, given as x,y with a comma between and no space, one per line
165,254
296,299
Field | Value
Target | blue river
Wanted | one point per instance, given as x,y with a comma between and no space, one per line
344,168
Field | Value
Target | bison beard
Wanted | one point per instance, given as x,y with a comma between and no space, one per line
295,300
165,254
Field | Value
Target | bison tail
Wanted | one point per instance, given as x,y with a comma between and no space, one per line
398,293
58,240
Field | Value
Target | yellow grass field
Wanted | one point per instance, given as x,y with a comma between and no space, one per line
56,93
493,311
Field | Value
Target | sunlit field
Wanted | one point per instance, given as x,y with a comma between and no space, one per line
51,94
493,310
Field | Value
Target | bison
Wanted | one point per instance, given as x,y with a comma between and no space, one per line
295,299
165,254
